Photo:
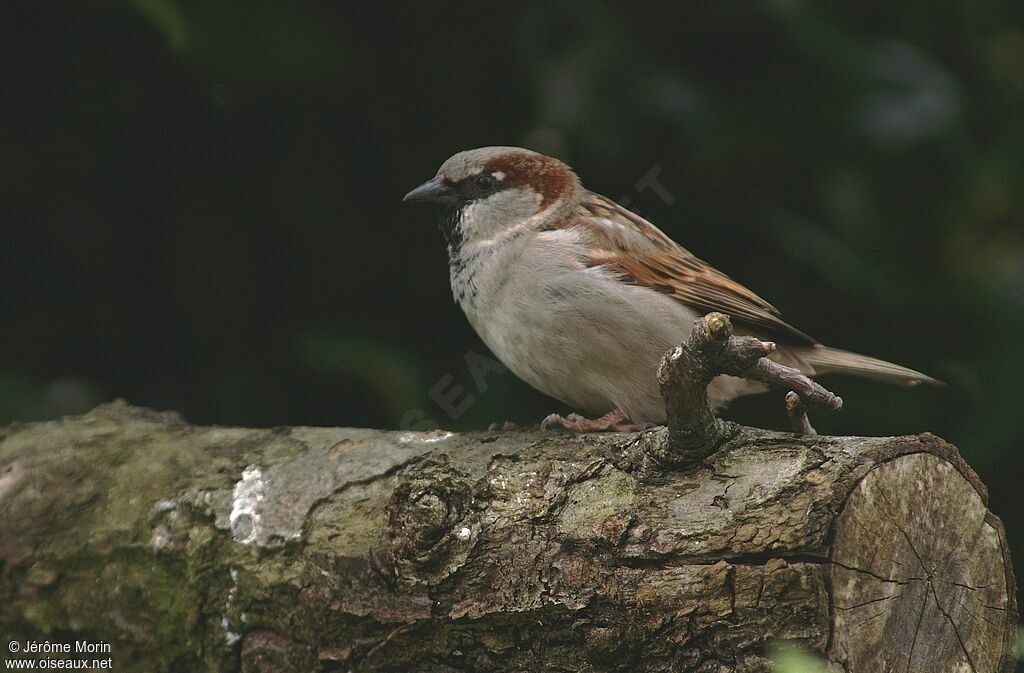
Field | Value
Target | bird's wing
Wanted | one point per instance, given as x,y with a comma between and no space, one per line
641,254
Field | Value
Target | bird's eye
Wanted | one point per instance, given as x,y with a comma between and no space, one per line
484,182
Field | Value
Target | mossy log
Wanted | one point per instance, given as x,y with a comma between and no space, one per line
318,549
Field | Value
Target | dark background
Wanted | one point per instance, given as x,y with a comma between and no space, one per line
201,200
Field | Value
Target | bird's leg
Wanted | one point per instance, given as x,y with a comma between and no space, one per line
613,421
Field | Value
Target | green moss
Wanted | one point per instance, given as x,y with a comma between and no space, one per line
589,503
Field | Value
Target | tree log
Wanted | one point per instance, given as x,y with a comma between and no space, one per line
318,549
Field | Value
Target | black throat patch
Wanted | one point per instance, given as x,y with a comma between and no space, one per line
448,223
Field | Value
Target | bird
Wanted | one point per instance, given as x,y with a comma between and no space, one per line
581,298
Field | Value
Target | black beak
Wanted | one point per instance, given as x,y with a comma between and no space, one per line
435,191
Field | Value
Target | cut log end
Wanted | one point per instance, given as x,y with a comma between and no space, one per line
918,578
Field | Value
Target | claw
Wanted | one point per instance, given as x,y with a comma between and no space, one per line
610,422
573,422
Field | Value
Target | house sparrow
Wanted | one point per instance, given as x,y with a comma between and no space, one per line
581,297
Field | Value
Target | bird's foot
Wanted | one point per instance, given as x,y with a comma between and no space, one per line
613,421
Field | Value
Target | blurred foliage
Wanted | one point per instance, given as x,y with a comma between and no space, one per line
167,17
394,377
790,659
201,205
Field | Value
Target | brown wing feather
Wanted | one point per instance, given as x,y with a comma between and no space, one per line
642,254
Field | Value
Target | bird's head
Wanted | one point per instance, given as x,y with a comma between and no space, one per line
486,192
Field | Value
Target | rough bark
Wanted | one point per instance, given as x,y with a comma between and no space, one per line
320,549
694,430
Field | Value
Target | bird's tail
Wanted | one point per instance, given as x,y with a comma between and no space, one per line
824,360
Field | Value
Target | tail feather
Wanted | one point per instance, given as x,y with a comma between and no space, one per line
824,360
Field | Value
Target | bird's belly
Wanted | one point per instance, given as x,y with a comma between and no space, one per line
555,356
594,345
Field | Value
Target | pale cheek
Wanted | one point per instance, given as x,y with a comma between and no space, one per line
489,217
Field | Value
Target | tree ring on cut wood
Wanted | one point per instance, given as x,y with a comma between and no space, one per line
919,583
